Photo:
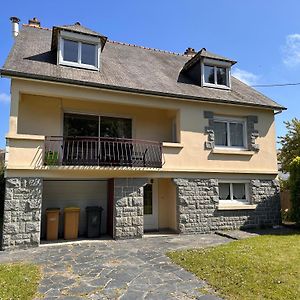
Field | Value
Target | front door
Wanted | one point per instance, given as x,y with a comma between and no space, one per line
151,206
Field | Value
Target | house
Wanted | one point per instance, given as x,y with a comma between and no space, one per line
159,140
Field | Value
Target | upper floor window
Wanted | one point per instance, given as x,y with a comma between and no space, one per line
215,75
79,51
230,132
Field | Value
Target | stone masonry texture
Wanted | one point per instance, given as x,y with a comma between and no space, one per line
22,213
197,206
128,206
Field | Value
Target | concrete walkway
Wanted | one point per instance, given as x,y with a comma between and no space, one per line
107,269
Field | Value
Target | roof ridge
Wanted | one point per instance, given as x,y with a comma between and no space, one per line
146,48
37,27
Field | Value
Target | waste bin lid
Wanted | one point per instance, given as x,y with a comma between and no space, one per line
93,208
67,209
52,209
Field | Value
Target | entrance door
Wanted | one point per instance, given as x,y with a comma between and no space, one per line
151,206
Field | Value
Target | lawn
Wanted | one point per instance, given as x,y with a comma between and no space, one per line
18,281
263,267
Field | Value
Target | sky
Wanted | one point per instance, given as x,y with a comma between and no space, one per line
262,36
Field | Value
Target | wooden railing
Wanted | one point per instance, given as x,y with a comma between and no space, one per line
94,151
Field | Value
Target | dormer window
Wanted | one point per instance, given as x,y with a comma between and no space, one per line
207,69
215,75
79,51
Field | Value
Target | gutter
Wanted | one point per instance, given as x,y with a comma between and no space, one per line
10,73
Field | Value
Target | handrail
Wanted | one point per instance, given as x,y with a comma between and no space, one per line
102,151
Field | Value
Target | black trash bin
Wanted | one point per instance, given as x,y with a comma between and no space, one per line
93,216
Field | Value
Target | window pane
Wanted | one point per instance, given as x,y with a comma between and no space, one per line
224,191
209,76
115,127
88,54
221,76
148,199
80,125
70,51
239,191
236,134
220,131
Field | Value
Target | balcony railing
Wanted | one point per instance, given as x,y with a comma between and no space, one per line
94,151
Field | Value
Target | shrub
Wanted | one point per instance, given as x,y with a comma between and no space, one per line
294,183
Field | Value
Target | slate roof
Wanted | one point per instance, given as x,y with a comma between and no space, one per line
125,68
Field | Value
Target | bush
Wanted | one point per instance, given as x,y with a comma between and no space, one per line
294,183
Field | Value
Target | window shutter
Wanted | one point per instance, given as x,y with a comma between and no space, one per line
252,133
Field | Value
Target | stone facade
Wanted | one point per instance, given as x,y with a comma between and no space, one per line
22,213
197,206
128,206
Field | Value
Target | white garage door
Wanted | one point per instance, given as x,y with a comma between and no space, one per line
78,193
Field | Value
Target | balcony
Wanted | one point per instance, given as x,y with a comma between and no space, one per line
102,151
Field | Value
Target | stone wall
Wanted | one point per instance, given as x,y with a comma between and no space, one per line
197,206
128,206
22,213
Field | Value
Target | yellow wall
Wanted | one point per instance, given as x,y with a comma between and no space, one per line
152,119
166,204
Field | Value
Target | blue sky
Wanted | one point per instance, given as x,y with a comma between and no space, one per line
263,36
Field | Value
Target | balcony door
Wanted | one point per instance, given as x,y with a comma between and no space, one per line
94,140
151,206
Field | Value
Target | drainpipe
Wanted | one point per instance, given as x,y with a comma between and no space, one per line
15,26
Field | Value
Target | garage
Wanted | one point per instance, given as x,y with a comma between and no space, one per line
74,193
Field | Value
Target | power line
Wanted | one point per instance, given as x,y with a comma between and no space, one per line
275,84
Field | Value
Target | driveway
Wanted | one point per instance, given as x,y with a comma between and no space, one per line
107,269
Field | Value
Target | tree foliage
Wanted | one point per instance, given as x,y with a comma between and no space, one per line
294,183
290,144
2,184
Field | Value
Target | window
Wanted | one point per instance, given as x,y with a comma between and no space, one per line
79,51
230,133
215,75
77,125
233,192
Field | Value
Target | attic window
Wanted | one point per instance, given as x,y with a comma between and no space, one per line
78,50
214,75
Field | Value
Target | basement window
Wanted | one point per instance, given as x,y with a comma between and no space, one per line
233,193
80,51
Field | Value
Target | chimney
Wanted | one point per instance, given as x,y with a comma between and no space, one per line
15,26
34,22
190,51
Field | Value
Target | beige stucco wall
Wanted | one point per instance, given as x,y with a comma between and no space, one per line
41,114
166,204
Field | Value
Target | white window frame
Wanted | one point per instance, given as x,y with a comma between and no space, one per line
236,201
216,64
79,38
229,120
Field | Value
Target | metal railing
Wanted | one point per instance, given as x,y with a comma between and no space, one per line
102,151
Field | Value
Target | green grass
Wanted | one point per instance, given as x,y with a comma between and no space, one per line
18,281
264,267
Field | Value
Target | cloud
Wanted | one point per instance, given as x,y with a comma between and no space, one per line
291,50
4,98
245,76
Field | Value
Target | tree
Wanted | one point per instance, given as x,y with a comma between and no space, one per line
290,144
294,182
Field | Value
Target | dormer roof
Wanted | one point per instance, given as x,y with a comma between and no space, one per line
203,53
76,28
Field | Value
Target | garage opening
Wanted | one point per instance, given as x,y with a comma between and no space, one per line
75,193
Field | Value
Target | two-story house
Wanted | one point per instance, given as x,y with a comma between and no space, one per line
159,140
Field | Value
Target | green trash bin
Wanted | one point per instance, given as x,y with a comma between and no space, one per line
93,216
